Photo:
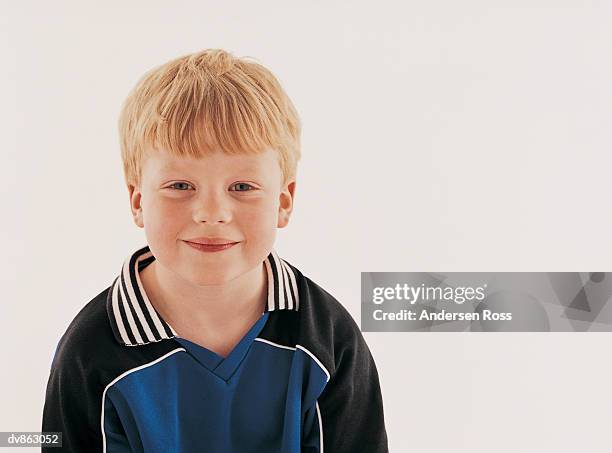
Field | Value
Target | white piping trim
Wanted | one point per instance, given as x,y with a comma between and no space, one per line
120,377
315,359
324,370
274,344
320,427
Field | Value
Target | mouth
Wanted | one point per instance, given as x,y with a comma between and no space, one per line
211,247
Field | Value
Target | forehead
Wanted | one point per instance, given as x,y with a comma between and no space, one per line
216,163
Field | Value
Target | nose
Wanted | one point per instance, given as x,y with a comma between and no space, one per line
212,208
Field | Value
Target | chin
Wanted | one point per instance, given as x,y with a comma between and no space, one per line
212,279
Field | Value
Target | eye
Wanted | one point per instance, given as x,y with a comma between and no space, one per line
243,187
177,183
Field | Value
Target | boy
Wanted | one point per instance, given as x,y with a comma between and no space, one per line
208,341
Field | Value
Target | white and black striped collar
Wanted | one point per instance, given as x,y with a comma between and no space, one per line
135,321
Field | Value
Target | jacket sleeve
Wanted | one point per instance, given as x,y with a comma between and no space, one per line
350,406
71,407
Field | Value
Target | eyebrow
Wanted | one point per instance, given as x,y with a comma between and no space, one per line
172,168
239,168
167,167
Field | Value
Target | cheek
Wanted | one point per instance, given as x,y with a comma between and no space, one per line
161,220
262,217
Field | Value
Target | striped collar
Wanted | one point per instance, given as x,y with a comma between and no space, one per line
135,321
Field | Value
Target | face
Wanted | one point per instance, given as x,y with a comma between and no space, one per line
239,198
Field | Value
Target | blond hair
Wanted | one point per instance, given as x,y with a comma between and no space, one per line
208,101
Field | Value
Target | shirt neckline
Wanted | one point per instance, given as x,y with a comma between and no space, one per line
134,320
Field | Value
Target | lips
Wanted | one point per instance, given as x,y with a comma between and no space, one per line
211,247
211,241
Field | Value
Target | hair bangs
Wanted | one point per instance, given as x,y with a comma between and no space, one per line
216,116
196,105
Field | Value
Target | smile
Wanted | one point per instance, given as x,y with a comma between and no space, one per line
211,247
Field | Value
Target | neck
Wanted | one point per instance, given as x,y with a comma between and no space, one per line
183,304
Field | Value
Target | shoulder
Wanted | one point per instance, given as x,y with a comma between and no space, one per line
88,350
88,339
326,327
89,323
328,311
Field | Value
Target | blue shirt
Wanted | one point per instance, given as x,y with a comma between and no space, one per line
302,379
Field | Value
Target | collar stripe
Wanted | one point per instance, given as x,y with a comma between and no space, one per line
273,303
155,324
293,286
288,292
148,321
135,321
116,310
271,284
136,329
280,287
127,312
288,284
135,299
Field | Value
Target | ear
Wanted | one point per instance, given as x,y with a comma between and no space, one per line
136,204
285,206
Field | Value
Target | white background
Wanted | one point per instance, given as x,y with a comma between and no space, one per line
437,136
